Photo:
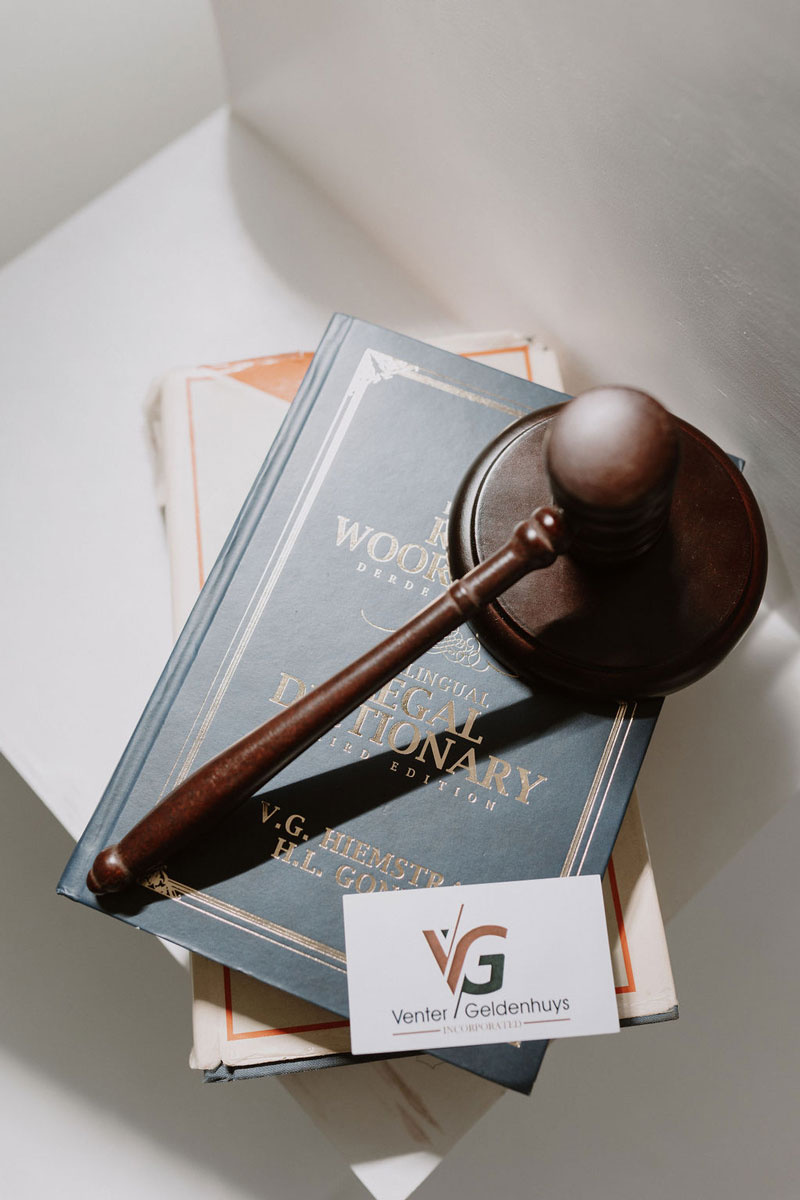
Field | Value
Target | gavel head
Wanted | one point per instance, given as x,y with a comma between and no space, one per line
667,559
612,455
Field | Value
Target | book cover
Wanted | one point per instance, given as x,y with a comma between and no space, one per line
212,426
455,772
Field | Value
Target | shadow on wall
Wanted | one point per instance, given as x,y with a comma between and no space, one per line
104,1013
316,249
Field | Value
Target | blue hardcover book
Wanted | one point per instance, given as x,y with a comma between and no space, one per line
454,772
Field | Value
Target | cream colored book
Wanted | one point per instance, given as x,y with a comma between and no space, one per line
212,427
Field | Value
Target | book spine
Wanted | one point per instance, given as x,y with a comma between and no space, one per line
201,616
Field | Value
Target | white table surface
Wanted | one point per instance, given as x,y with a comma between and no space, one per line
215,250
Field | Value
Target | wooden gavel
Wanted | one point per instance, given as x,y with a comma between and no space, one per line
657,557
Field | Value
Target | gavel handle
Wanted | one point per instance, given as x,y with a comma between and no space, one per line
238,772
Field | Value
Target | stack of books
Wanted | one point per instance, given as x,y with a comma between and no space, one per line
308,526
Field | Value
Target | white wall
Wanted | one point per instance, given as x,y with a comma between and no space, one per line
622,174
88,90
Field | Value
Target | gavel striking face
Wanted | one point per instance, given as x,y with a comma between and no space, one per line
656,557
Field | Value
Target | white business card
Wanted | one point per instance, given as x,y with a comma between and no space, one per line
487,962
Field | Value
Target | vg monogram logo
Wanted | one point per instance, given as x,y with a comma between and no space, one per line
450,952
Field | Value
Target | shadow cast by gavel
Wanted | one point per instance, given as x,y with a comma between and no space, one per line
241,843
617,613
